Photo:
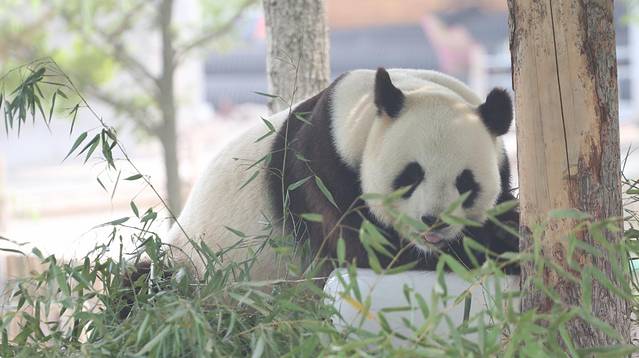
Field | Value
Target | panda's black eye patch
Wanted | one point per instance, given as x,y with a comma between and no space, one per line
465,182
411,176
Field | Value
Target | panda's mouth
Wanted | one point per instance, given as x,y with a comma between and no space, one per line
433,238
438,238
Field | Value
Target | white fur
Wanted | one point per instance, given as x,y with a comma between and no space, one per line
438,127
216,202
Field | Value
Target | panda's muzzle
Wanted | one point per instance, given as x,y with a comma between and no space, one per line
436,227
434,223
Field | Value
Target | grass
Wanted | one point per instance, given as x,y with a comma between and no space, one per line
72,308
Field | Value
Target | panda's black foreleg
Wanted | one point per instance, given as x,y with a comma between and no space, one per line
135,285
495,238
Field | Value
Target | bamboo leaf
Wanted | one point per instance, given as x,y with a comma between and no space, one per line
74,112
115,186
312,217
133,177
41,110
88,145
249,180
116,222
77,143
106,150
456,220
264,94
61,93
300,117
92,148
236,232
4,249
504,207
259,348
268,124
135,209
402,268
456,267
154,342
101,184
341,250
264,136
52,106
325,191
297,184
615,350
373,261
568,214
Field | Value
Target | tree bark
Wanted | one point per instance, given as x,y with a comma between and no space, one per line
298,63
3,200
565,82
166,99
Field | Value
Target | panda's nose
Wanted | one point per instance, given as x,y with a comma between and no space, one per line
433,222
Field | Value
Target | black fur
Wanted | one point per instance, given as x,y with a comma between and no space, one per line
303,151
134,284
411,176
388,98
497,111
465,182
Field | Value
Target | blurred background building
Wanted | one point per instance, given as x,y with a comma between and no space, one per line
55,205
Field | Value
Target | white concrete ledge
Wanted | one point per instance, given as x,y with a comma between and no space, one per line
388,291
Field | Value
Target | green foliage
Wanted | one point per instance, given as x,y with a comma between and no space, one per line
225,313
100,43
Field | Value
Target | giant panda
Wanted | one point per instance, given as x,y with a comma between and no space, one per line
420,133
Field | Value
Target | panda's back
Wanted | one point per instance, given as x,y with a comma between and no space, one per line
230,193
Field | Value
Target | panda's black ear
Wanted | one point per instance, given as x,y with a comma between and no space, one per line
388,98
497,111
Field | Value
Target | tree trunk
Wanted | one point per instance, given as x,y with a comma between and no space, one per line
565,82
166,99
168,138
298,63
3,200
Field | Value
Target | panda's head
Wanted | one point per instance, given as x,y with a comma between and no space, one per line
437,146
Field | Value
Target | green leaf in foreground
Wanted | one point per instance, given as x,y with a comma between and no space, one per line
341,250
76,144
133,177
249,180
52,106
236,232
135,209
116,222
264,94
297,184
300,117
312,217
153,342
568,214
325,191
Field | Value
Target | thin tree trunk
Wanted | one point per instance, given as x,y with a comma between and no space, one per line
3,200
565,82
166,98
298,63
168,139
